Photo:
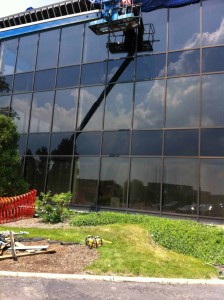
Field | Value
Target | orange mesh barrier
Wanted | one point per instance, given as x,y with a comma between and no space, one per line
18,207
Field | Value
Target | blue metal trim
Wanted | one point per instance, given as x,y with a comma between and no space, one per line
30,28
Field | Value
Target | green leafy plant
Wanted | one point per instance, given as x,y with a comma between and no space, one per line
53,209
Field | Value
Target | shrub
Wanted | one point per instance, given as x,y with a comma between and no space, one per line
53,209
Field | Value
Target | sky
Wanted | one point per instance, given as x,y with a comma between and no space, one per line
10,7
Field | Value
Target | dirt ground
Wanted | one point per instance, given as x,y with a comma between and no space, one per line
68,259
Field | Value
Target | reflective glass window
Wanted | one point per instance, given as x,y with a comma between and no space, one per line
113,182
48,49
38,144
181,142
117,47
213,59
6,85
41,112
68,77
59,172
115,66
27,52
62,143
180,186
4,104
45,80
8,51
23,83
87,143
182,102
159,20
149,104
85,182
89,118
212,142
93,73
212,188
71,45
183,63
96,43
147,142
35,172
182,33
150,67
213,22
22,144
145,182
21,107
65,110
212,100
118,107
116,143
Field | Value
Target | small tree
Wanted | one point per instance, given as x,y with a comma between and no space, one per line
11,182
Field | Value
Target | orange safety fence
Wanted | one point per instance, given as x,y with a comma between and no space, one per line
17,207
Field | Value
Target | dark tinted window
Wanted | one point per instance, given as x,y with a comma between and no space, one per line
116,143
93,73
38,144
22,144
182,63
213,59
88,143
147,142
212,142
181,142
4,103
23,83
149,67
5,85
68,77
45,80
62,143
115,66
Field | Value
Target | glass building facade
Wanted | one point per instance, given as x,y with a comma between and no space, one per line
155,142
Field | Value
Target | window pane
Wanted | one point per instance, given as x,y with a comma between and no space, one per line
22,144
98,42
150,67
181,142
38,144
212,22
87,143
180,35
183,63
86,174
68,77
62,143
6,85
48,49
116,143
8,56
212,100
182,104
45,80
23,83
127,74
93,73
145,183
180,186
212,188
147,142
149,104
59,171
35,172
65,110
118,108
113,182
41,112
4,104
213,59
212,142
27,53
89,97
71,45
21,107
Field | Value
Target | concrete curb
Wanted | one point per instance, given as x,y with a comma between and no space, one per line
113,278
